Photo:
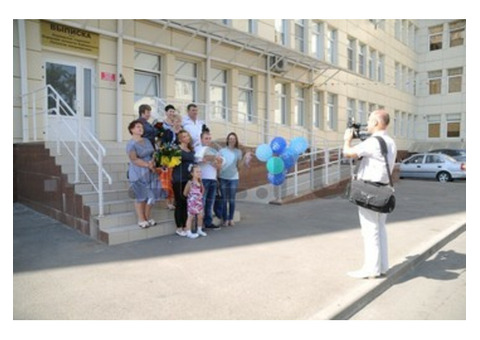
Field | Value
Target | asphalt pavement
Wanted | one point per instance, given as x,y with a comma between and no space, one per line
278,263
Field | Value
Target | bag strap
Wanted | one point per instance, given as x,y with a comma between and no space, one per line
384,150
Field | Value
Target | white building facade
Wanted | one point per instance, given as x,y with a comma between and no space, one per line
259,78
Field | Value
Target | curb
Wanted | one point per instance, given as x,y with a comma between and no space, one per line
349,305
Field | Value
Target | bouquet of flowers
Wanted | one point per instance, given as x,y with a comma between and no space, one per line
168,155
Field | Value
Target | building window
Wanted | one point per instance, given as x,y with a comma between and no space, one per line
147,76
332,111
318,110
299,106
453,125
372,61
351,109
280,104
185,81
362,51
351,54
245,98
435,37
398,76
435,82
317,41
332,46
300,35
455,80
252,26
396,123
457,33
218,94
281,31
381,68
362,114
433,126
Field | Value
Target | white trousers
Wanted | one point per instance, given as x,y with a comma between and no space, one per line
375,245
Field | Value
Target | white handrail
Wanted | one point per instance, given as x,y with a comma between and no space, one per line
96,151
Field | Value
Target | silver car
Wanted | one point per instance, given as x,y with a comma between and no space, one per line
430,165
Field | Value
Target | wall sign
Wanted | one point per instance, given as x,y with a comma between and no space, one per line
69,38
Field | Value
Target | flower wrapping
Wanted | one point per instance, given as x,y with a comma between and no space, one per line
168,155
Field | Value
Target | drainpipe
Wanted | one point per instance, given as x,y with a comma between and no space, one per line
207,78
119,86
266,128
23,77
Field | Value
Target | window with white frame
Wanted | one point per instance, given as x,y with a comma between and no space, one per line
218,94
362,51
403,129
435,82
318,109
252,26
372,61
398,29
398,76
453,125
396,123
332,111
457,32
332,45
371,107
362,114
185,81
434,124
351,47
300,30
435,37
245,98
404,78
147,76
299,106
280,104
455,80
381,68
351,109
317,41
281,31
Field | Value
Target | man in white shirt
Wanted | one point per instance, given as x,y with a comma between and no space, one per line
372,168
210,163
192,124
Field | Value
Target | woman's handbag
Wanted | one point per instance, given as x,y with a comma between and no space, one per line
370,195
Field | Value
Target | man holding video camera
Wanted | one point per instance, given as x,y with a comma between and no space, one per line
372,168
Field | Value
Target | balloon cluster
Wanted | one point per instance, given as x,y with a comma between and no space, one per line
279,157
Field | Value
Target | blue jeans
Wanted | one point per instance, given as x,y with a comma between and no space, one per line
210,186
228,187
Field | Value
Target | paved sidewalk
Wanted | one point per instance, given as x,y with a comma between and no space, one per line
279,262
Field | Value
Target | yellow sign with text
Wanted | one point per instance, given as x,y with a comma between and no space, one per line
69,38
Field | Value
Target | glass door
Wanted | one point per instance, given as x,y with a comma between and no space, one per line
73,83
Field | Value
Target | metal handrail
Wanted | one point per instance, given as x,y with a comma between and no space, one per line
96,152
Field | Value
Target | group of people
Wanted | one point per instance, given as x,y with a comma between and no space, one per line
191,186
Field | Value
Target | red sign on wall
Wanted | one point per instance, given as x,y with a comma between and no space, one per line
107,76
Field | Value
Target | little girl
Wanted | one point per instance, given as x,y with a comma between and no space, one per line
194,192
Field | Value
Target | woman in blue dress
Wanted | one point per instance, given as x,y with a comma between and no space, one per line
142,175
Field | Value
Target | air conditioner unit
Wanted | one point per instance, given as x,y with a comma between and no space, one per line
278,64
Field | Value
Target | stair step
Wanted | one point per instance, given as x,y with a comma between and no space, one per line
129,217
131,233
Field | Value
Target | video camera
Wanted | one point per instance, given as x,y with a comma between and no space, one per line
358,129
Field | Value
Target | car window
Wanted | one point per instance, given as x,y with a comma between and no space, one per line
434,159
415,160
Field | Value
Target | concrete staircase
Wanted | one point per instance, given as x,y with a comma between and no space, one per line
119,222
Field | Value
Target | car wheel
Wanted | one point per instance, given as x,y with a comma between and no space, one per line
444,177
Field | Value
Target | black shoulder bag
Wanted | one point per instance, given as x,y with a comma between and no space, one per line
371,195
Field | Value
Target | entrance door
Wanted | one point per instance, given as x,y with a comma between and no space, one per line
72,80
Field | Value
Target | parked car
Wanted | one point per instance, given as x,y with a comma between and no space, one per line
459,154
433,165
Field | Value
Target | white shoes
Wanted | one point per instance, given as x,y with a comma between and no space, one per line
201,232
191,235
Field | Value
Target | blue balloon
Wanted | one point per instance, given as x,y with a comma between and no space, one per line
263,152
276,179
299,144
278,144
289,158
